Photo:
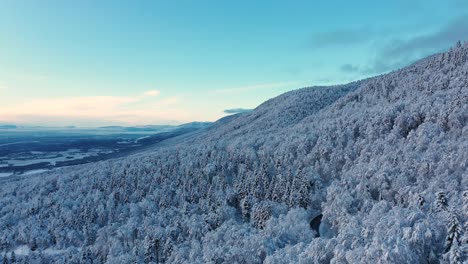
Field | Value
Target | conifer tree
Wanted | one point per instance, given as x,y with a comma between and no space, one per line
441,201
149,256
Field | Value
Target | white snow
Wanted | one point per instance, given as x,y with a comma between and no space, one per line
31,172
383,159
5,174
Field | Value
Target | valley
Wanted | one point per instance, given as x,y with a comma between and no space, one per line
35,150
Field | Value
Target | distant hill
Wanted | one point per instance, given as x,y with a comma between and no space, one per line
157,127
8,126
134,129
146,128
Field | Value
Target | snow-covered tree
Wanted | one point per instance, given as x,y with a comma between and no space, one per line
382,159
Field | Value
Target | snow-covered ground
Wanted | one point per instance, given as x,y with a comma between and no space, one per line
5,174
19,142
24,250
53,157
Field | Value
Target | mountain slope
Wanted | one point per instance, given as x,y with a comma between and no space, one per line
283,111
384,160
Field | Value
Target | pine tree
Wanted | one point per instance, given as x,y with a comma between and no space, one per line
86,256
13,257
441,201
5,259
33,244
465,202
103,259
464,238
148,249
455,254
452,243
167,249
40,257
156,249
246,207
89,236
261,212
136,255
421,200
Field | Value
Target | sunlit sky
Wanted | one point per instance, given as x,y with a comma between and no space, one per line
94,63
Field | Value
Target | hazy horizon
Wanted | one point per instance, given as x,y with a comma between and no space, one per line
92,64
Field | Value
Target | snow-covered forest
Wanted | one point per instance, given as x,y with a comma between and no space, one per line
383,160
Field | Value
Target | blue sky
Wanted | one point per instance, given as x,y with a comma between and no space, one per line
92,63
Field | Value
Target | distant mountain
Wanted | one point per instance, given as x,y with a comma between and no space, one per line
371,171
157,127
113,129
8,126
137,129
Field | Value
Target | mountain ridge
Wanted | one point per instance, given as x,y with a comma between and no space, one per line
382,159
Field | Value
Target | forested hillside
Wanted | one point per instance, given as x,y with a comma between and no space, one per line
384,160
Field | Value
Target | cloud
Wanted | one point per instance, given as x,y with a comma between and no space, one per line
169,101
349,68
395,53
90,110
457,30
343,37
381,66
73,106
461,3
237,110
255,87
400,52
293,71
152,93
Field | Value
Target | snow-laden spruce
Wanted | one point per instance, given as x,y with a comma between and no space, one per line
384,160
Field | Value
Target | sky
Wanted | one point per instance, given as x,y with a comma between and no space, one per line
94,63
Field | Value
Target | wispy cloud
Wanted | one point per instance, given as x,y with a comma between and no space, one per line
349,68
344,37
237,110
409,49
152,93
255,87
293,71
396,52
461,3
169,101
99,109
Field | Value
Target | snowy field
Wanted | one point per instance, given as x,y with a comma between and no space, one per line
30,150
